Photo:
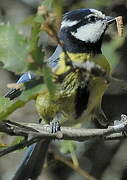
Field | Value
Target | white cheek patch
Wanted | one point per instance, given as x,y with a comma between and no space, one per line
67,23
90,32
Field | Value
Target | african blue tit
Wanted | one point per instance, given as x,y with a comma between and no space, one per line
78,95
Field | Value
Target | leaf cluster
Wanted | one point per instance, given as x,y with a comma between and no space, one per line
19,54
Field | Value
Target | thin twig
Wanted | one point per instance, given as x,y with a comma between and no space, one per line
67,133
80,171
116,136
18,146
39,131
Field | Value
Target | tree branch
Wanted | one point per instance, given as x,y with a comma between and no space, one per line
36,132
67,133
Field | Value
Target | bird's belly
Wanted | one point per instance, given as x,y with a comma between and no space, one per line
87,105
70,119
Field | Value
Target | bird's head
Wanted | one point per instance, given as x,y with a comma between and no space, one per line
82,30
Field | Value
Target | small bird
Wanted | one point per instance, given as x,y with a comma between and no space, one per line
78,94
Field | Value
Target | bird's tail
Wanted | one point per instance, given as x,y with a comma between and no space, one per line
33,162
13,93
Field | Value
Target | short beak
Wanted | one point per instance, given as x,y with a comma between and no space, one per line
110,19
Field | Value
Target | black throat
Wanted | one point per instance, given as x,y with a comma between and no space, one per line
73,45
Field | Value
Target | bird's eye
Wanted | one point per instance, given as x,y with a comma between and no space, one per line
92,19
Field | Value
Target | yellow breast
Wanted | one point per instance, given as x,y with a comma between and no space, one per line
62,67
81,57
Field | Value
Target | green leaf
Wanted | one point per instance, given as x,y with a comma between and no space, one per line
35,49
70,147
13,49
7,107
67,146
32,92
17,140
48,80
10,108
48,3
39,19
4,104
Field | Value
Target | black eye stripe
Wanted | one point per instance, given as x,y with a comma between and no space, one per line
92,19
79,24
83,22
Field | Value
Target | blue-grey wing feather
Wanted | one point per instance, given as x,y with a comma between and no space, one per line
54,59
26,77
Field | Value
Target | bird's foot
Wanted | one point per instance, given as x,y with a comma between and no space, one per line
55,126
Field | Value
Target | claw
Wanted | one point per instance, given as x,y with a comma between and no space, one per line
55,127
40,120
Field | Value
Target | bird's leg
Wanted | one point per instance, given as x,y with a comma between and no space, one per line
55,125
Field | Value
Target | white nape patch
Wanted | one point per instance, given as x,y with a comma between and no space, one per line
67,23
98,13
89,65
90,32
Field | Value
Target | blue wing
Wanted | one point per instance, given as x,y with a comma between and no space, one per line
54,59
26,77
13,93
